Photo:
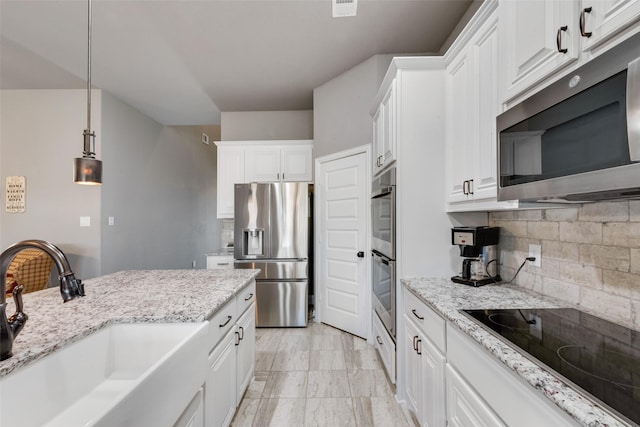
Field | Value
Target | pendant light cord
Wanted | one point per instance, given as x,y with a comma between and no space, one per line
89,69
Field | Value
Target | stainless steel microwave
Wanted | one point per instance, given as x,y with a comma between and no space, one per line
579,138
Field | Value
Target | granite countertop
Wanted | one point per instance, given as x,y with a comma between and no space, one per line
446,298
145,296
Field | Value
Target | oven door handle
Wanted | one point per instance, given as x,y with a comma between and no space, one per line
381,192
383,258
633,109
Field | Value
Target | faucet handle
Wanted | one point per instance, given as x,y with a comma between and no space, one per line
80,287
19,318
71,288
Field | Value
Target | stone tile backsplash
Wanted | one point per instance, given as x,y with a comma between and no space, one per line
226,235
590,255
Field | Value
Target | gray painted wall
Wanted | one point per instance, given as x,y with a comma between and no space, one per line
41,133
341,107
259,125
159,186
159,183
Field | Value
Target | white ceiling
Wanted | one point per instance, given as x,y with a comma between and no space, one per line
181,62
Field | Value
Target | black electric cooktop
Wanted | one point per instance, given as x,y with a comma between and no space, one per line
598,356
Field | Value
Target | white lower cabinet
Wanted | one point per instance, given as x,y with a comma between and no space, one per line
231,358
479,385
221,396
424,361
246,344
450,379
385,346
425,382
219,262
464,407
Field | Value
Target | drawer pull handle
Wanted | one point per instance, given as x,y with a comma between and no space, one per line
559,39
223,263
241,333
249,297
583,23
415,346
418,350
226,323
237,338
416,314
379,340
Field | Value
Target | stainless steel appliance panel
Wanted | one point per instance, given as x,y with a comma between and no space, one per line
384,291
281,303
277,270
289,222
272,232
576,140
251,221
383,214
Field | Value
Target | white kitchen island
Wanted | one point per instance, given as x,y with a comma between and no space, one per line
141,297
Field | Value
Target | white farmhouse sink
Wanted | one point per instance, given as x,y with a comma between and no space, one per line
123,375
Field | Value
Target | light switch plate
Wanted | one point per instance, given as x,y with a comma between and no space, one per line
85,221
111,220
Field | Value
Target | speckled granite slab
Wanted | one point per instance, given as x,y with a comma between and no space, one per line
447,298
158,296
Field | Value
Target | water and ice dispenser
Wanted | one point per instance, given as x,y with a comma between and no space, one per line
253,242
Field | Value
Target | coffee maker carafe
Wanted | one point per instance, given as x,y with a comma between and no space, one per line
478,247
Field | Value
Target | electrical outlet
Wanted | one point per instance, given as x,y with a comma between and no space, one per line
111,220
193,264
536,252
205,138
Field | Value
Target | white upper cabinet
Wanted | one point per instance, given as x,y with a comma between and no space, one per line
604,22
472,106
542,40
274,163
263,164
230,171
384,130
260,161
297,163
461,140
540,37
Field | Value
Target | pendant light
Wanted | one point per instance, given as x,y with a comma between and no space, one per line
88,169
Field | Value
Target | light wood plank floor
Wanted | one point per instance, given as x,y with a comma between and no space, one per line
318,376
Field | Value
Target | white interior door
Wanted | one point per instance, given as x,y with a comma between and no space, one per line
342,283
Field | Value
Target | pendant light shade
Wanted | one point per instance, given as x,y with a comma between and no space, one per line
88,169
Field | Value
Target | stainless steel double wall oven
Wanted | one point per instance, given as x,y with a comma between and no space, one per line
383,244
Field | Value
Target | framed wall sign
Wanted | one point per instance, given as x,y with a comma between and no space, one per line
16,194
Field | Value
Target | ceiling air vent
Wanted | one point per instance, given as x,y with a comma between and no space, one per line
342,8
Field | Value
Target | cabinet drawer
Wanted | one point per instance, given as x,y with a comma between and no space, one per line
464,407
515,401
425,318
219,262
221,323
385,346
245,298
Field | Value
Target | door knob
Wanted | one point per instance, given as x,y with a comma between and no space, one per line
360,254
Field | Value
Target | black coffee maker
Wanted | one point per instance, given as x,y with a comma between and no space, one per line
478,247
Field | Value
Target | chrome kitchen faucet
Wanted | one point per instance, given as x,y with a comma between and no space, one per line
70,288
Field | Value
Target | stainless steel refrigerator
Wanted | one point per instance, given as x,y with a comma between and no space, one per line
272,232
